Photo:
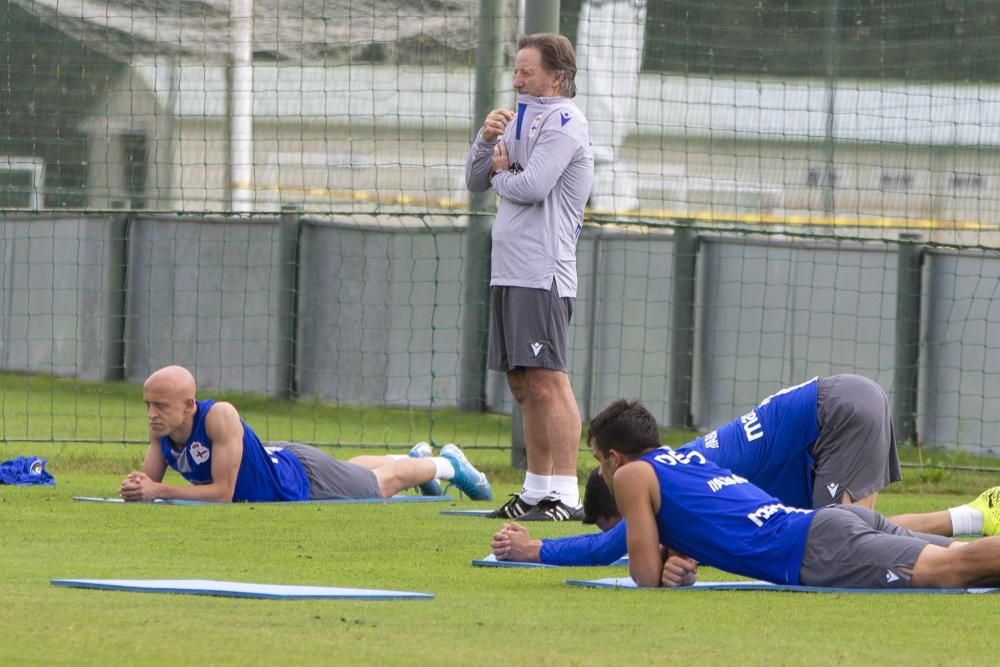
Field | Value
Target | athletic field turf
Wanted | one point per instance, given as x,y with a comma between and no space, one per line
479,617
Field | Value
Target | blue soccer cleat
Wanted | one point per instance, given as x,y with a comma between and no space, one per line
422,450
469,481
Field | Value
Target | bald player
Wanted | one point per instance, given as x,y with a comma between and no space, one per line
224,460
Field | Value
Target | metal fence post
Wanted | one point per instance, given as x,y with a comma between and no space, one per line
908,294
476,271
289,228
115,303
682,325
541,16
595,299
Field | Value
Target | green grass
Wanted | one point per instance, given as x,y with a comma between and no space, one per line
85,426
481,617
70,411
477,617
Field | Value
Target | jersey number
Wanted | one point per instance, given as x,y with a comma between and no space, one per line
672,458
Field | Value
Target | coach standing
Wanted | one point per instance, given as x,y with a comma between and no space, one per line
539,162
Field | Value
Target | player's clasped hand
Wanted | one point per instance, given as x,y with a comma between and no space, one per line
500,544
137,487
679,571
495,124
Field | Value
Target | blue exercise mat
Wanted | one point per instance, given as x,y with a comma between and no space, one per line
479,513
239,589
627,583
393,499
491,561
90,499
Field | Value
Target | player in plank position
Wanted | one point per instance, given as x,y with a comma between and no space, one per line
224,460
680,509
828,440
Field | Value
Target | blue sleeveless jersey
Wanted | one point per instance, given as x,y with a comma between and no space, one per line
772,444
720,519
264,474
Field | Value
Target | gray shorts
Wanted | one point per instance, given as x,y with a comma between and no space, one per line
854,547
856,449
529,328
329,478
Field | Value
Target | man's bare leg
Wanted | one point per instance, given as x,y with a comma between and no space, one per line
932,523
551,430
970,518
552,416
972,564
396,475
536,441
372,462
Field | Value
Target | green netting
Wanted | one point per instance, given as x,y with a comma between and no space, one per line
273,194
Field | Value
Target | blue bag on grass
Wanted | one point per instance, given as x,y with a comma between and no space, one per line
25,470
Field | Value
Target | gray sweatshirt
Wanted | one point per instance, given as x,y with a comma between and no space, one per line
542,195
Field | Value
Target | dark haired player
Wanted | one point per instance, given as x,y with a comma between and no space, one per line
681,509
828,440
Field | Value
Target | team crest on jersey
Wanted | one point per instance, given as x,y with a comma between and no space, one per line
535,125
199,452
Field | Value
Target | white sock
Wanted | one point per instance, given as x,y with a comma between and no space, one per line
445,470
566,489
966,520
535,488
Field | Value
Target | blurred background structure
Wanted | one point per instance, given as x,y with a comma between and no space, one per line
272,193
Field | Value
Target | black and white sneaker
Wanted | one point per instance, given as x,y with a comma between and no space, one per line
552,509
512,509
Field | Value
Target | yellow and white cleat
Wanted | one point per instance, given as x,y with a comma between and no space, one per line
988,503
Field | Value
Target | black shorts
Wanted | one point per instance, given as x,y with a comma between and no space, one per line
529,328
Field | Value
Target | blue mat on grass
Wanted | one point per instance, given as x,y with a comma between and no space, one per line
479,513
393,499
627,583
239,589
491,561
90,499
